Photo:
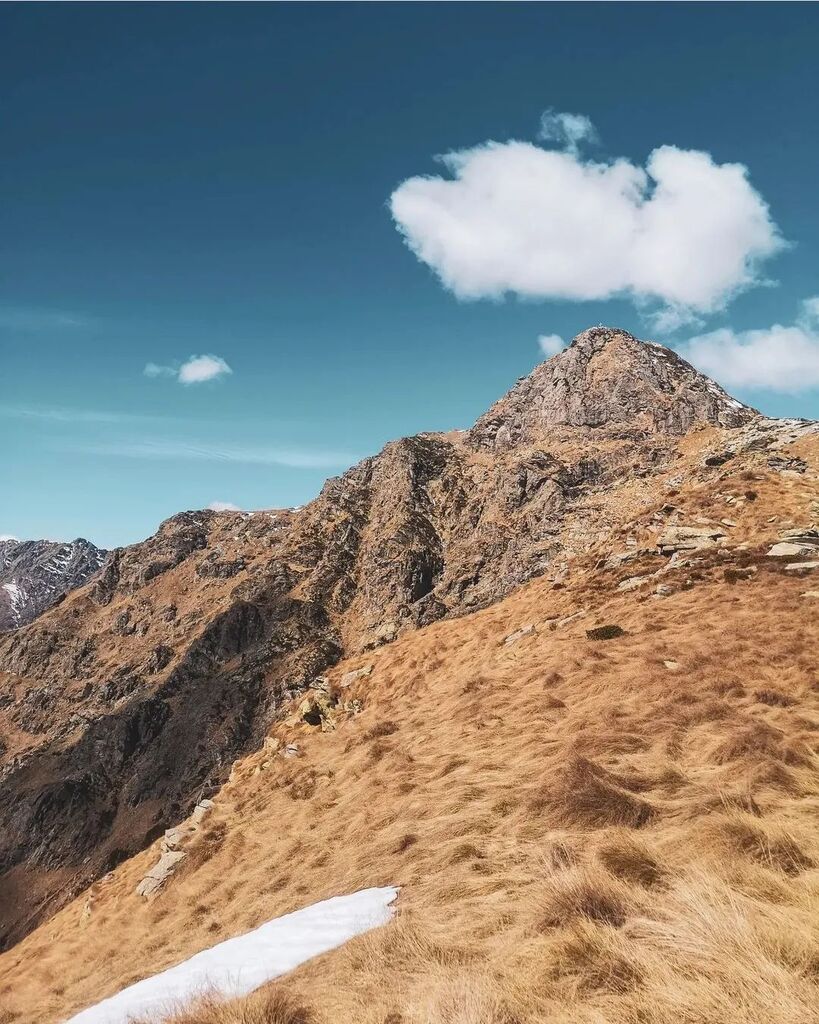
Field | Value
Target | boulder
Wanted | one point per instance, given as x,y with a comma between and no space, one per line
802,566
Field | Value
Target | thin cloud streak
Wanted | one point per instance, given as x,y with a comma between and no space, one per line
56,414
20,318
293,458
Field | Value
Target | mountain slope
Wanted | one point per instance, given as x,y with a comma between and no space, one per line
36,574
587,826
123,706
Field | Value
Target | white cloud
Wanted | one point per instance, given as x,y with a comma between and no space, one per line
7,536
777,358
155,370
567,130
196,370
201,368
550,344
294,458
683,233
223,506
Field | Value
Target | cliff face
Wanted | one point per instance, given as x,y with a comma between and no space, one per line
130,700
35,574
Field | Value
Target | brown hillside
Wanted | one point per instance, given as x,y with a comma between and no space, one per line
128,702
590,824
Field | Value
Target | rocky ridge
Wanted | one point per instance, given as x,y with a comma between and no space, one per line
127,704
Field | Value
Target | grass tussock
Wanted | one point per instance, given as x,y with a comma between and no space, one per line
584,795
584,893
272,1005
759,740
631,860
595,960
775,849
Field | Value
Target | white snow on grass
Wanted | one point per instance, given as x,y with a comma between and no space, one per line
240,965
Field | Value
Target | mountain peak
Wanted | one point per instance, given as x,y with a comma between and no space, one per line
607,377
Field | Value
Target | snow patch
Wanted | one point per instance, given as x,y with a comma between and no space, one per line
240,965
16,595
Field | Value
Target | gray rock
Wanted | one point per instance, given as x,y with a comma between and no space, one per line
788,549
159,873
358,673
632,583
688,538
519,634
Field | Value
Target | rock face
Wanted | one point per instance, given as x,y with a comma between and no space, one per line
36,574
604,378
124,705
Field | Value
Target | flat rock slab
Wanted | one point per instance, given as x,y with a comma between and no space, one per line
159,873
788,549
519,634
689,538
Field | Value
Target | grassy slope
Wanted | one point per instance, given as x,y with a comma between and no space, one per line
582,833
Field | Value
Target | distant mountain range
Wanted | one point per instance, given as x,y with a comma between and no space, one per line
36,574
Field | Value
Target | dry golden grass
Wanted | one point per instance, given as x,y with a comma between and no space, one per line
272,1006
582,834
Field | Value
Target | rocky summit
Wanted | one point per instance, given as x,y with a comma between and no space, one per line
126,704
607,378
36,574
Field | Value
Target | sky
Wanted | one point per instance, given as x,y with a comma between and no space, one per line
243,246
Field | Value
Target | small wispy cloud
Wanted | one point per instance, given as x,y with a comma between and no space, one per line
295,458
550,344
195,370
223,506
58,414
21,318
566,130
155,370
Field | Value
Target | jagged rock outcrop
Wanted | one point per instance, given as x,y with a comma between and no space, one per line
124,705
36,574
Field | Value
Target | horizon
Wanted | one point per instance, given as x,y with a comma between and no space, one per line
225,282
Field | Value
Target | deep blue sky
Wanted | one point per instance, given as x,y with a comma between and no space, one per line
186,179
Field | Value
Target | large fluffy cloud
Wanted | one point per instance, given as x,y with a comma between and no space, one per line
777,358
683,233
